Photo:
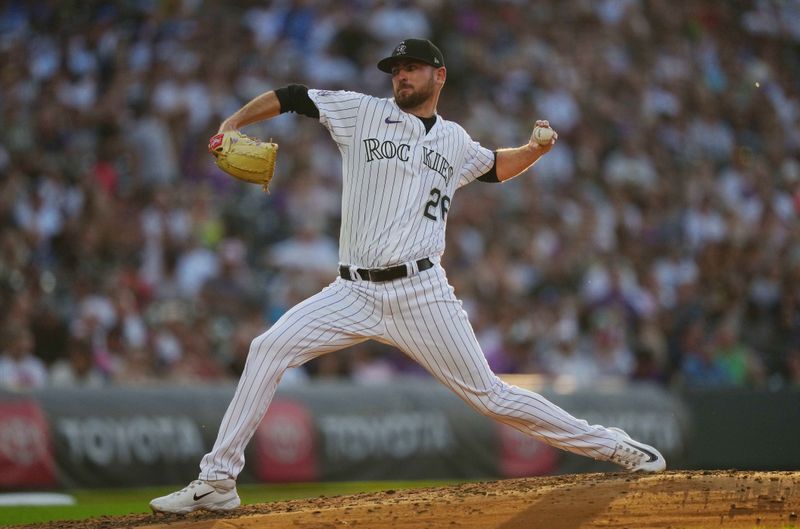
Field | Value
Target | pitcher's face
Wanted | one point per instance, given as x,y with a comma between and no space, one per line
413,83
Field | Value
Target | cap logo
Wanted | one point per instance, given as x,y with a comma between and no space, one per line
401,49
436,60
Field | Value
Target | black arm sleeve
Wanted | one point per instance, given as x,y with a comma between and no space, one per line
294,98
491,175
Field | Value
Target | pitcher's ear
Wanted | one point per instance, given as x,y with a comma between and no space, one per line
441,75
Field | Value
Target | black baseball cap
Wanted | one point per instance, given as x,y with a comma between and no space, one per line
419,49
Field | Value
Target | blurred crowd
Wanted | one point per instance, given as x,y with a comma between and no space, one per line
658,241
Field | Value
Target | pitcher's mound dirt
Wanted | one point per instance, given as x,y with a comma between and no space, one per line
678,500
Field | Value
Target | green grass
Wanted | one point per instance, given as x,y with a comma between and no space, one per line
112,502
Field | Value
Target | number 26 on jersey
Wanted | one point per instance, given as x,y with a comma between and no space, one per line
436,208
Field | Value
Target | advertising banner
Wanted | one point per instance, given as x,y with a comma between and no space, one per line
412,429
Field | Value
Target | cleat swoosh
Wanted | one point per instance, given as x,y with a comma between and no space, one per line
650,454
196,497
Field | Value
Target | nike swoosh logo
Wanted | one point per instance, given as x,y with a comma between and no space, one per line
650,454
196,497
390,121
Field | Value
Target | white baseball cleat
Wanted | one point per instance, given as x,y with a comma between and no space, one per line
206,495
635,456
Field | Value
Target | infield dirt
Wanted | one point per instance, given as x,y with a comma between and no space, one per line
677,500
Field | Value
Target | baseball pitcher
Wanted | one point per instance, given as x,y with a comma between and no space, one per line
402,164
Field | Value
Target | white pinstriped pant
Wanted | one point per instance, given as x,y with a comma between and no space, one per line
421,316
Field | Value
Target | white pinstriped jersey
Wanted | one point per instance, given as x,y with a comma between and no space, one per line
398,185
398,180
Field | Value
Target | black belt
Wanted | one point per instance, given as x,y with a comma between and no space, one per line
377,275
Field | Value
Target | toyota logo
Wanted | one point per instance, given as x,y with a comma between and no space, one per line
22,442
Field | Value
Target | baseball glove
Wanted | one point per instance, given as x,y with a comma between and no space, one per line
245,158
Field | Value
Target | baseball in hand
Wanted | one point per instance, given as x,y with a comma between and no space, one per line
543,135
